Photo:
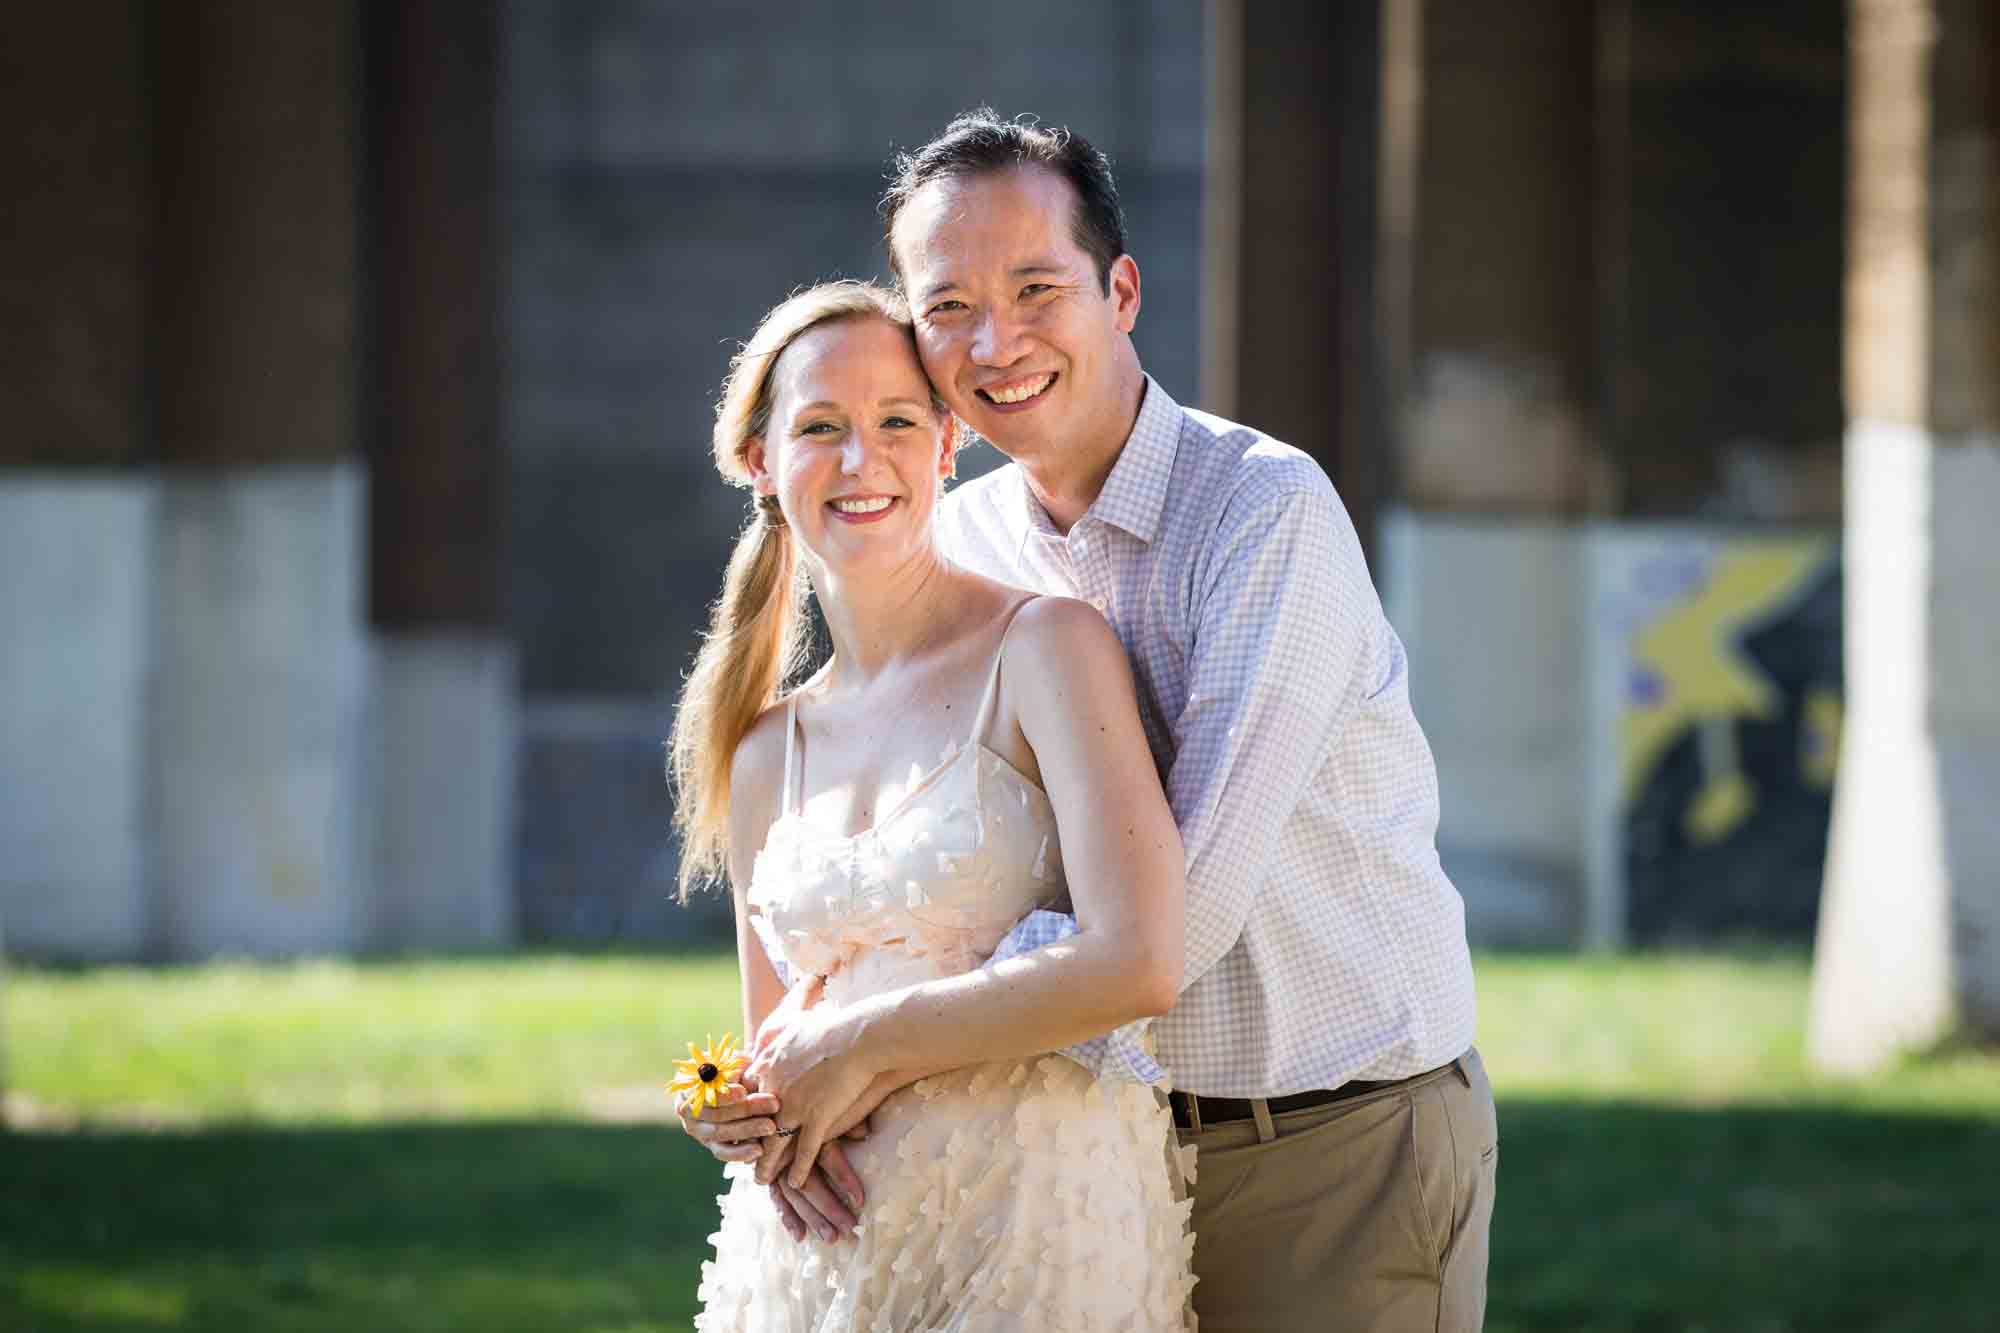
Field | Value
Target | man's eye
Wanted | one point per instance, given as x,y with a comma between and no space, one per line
947,307
898,423
1037,289
819,428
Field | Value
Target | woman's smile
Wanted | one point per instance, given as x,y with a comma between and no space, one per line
862,508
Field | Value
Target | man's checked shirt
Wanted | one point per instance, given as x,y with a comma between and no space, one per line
1324,942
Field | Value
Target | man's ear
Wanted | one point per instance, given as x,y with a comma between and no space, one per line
761,481
1125,292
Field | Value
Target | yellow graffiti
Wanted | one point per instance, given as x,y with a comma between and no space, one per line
1819,738
1718,808
1706,682
1726,797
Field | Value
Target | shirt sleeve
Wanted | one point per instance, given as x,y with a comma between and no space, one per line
1120,1056
1281,631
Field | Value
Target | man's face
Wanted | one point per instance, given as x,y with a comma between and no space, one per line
1013,326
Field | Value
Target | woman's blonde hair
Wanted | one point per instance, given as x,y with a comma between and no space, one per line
756,635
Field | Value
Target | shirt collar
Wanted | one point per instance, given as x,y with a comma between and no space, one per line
1135,493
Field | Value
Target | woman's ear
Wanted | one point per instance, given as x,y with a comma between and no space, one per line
761,481
953,434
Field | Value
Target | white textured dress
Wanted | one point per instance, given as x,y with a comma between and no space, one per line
1014,1195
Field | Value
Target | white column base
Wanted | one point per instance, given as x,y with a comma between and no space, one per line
1881,970
445,733
258,704
74,658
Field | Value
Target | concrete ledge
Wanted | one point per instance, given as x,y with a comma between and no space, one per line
1965,711
1490,614
1633,722
444,737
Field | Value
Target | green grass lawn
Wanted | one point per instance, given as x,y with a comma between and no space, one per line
473,1144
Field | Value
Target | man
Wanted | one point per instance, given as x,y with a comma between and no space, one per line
1320,1050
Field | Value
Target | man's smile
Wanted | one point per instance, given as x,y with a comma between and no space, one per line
1013,393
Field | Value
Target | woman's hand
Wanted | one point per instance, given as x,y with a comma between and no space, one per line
808,1058
733,1129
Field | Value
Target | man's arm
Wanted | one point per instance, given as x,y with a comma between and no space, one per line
1281,631
1285,609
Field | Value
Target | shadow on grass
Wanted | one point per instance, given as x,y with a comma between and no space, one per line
1622,1216
478,1226
1611,1216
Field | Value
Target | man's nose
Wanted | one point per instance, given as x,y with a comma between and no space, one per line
993,340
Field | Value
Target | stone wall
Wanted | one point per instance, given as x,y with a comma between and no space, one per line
671,172
1614,259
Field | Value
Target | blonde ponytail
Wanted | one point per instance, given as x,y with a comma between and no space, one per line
754,641
756,635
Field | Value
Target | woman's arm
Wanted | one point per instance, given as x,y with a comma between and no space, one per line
1067,679
736,1130
732,1130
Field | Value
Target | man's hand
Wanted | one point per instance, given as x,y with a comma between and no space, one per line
829,1203
733,1130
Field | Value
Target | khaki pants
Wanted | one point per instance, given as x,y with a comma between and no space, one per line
1370,1213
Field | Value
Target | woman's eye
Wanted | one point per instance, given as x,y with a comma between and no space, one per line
947,307
898,422
1037,289
819,428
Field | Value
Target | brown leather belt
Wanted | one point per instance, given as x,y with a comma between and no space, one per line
1206,1111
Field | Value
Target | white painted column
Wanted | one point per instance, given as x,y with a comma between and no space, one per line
1909,939
444,727
1880,975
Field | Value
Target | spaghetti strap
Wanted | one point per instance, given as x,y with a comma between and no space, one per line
792,776
984,718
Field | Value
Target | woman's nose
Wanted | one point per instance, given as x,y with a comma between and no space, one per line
854,452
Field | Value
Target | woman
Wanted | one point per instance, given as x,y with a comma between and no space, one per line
970,753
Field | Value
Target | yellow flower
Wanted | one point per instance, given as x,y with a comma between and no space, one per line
701,1080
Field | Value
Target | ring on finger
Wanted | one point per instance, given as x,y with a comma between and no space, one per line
782,1133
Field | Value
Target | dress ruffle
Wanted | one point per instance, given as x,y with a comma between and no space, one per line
1005,1196
934,879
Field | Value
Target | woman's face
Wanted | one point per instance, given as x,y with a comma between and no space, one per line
855,451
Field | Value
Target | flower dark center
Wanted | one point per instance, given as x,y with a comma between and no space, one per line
707,1073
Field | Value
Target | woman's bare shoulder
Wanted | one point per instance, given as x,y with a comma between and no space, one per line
1050,627
758,768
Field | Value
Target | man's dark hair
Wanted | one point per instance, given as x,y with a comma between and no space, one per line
978,141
